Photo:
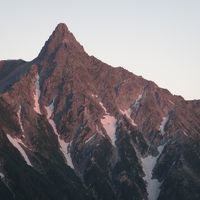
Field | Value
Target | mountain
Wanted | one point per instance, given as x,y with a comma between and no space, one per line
75,128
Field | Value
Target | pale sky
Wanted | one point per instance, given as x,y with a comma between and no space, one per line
158,39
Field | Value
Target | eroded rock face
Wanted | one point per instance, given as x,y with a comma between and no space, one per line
73,127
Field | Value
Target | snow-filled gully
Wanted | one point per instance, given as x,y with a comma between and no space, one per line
17,143
109,124
153,185
64,146
19,119
163,124
37,95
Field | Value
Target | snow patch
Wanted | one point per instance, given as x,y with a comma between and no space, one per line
153,185
99,131
37,95
136,104
171,102
50,110
185,133
64,146
163,125
103,107
19,118
89,139
94,95
16,142
109,124
127,113
2,175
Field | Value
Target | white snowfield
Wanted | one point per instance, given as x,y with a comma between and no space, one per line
163,124
64,146
109,124
17,143
153,185
19,118
37,95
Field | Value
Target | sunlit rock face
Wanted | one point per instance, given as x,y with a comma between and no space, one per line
73,127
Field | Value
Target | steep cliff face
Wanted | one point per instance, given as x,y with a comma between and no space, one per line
73,127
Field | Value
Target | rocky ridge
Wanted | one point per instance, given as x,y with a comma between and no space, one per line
73,127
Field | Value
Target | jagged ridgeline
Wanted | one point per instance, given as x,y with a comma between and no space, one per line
75,128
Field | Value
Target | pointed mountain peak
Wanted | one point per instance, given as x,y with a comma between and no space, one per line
61,28
61,38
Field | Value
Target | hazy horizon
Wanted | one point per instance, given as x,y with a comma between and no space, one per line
157,40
